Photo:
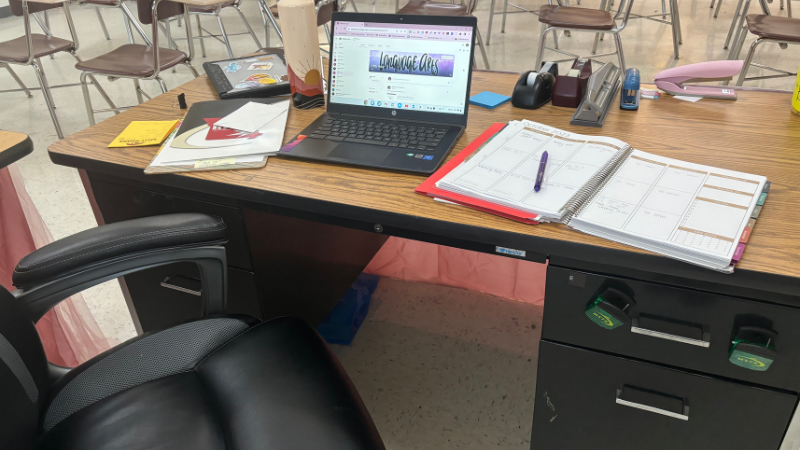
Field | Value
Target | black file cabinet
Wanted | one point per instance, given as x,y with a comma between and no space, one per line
632,365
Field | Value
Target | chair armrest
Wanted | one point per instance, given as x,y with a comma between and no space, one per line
70,265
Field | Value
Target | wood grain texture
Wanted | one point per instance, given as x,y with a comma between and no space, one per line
757,134
9,139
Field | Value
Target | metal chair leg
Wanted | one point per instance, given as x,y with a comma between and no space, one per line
224,34
491,19
18,80
396,5
673,19
483,49
138,89
46,86
743,73
97,85
789,7
355,7
555,39
102,22
128,30
620,53
191,67
247,25
200,36
266,26
87,99
712,5
736,14
47,98
716,11
505,14
132,21
542,42
663,9
162,84
271,18
328,35
678,20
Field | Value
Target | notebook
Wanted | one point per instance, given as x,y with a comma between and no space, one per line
603,187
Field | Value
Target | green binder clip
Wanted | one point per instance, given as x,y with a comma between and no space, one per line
754,348
608,309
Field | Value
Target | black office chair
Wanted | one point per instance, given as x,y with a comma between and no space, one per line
220,382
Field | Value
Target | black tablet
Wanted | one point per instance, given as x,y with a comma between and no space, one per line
249,77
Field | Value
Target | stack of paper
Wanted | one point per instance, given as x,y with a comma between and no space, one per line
249,134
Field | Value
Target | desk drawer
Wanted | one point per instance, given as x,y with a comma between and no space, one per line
118,203
160,307
588,400
677,327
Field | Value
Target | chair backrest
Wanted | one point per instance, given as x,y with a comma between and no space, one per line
166,9
16,7
325,11
23,375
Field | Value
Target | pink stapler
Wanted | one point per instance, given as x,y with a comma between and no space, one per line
672,80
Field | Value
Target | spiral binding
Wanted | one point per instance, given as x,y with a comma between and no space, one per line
583,197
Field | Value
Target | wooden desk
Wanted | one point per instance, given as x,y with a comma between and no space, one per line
311,227
13,146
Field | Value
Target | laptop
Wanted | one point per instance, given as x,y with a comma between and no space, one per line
398,92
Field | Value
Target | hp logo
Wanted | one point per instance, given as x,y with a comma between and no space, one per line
394,113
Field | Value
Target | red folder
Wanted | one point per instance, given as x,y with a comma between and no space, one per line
428,187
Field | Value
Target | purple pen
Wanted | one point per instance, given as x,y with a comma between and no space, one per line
540,175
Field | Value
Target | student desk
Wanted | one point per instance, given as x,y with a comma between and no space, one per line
300,232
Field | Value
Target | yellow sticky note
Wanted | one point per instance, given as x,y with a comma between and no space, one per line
206,163
143,133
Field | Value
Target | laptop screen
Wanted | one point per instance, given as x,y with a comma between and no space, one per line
401,66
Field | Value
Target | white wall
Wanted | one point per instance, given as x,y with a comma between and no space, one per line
3,3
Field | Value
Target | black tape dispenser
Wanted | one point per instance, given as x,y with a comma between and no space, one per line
534,89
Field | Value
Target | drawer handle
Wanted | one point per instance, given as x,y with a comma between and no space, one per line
705,342
182,283
643,393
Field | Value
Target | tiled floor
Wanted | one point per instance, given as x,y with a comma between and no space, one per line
446,368
438,367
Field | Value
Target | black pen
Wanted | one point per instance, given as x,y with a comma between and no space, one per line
540,175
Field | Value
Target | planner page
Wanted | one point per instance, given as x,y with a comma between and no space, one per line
505,170
689,207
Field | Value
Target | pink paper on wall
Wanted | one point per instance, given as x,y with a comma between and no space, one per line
430,263
69,333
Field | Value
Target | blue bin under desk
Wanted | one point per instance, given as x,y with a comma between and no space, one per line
342,323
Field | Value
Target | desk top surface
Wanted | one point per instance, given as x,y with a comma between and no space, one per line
8,139
757,134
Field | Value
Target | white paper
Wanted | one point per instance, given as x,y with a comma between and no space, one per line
693,209
251,117
268,143
504,171
687,98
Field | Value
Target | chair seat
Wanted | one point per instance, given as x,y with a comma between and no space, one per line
16,50
774,27
132,60
213,384
576,18
209,8
427,8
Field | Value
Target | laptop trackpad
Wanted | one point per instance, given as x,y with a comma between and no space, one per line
359,153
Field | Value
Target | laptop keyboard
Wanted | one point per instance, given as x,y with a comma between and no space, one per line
391,134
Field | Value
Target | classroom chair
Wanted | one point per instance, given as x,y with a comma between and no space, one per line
215,10
137,61
767,28
28,50
429,8
568,18
127,17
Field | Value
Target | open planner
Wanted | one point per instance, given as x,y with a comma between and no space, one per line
602,186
